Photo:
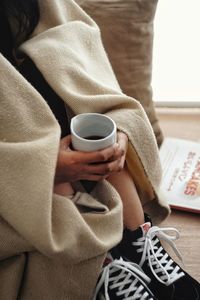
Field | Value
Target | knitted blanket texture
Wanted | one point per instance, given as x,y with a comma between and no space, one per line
51,246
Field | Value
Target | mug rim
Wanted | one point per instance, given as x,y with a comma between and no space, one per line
92,141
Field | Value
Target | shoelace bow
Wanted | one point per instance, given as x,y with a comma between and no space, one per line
159,262
122,279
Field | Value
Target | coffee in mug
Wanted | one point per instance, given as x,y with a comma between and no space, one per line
92,131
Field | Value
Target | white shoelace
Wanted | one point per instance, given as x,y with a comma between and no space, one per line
161,264
123,281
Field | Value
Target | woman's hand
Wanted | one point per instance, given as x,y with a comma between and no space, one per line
97,165
118,161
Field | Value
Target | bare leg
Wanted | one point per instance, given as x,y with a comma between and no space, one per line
132,209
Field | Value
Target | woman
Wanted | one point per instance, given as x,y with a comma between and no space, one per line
54,233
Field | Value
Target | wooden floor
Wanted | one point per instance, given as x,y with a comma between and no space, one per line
184,123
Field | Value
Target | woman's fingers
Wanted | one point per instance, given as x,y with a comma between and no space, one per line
65,142
122,140
97,165
95,156
104,168
109,154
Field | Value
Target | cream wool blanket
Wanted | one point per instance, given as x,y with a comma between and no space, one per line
52,247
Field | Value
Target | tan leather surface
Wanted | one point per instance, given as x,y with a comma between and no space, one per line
127,32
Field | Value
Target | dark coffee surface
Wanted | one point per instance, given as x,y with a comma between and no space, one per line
94,137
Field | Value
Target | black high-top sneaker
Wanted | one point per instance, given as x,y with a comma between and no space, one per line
122,280
168,280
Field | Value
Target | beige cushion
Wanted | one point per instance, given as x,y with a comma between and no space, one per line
127,33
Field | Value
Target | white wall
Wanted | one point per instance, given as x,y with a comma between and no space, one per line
176,59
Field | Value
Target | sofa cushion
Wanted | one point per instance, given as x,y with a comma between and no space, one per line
127,33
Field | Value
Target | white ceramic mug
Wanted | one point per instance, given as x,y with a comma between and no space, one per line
92,131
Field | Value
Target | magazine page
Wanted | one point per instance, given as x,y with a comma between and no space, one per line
180,184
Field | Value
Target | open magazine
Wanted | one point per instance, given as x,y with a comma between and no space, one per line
180,160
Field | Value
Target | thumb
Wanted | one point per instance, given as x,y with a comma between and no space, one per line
65,142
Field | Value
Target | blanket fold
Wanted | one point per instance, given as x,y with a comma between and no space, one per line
48,242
